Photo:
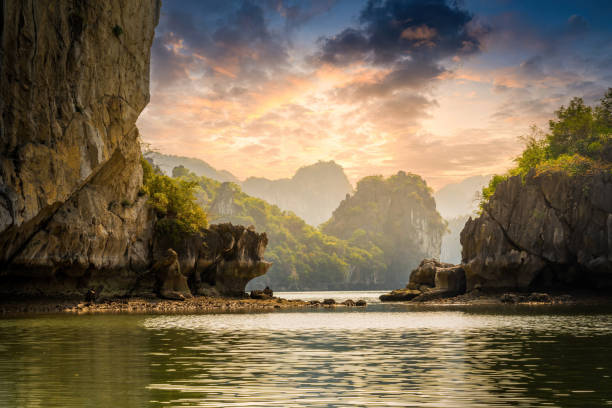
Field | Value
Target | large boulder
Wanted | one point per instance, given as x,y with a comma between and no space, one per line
425,273
431,280
171,283
546,230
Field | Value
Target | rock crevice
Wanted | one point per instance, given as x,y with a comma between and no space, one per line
75,77
557,233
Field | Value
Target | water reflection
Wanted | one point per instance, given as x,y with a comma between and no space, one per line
386,355
73,361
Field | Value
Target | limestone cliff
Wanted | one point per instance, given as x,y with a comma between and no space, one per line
73,216
398,215
75,77
549,229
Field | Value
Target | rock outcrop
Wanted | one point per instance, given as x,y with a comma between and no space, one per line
171,283
221,260
73,219
550,229
430,280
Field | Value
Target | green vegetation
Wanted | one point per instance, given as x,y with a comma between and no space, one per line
579,141
117,30
174,202
396,216
303,257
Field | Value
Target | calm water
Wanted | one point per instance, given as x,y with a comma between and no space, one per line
385,355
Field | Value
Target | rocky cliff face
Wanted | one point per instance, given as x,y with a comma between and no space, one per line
75,77
220,261
552,229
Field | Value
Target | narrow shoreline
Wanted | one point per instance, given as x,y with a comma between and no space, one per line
205,305
509,299
199,304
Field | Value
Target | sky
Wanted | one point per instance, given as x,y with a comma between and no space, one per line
443,89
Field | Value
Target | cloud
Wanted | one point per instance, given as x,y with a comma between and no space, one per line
532,67
410,43
228,40
577,24
393,30
425,86
299,12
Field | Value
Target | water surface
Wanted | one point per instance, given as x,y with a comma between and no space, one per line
384,355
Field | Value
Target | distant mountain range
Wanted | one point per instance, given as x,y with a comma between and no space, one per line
313,193
458,199
456,203
167,162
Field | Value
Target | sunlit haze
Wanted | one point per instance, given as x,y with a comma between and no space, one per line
439,89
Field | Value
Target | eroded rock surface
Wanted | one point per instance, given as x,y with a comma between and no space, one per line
550,229
431,280
73,221
221,260
171,283
75,77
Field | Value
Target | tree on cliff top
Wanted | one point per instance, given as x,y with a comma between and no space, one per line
174,202
579,141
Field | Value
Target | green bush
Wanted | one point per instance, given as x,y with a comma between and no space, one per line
174,201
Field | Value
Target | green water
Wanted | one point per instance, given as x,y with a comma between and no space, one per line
385,355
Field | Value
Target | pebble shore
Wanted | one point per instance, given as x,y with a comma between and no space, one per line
154,305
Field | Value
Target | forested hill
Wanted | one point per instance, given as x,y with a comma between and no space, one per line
396,214
303,257
313,193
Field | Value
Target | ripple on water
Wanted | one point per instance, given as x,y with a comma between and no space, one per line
348,358
384,355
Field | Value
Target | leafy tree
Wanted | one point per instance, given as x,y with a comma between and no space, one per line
174,201
180,171
579,141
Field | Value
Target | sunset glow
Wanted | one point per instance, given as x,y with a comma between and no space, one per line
262,88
